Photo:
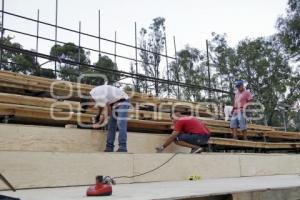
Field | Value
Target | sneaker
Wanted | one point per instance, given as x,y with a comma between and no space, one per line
108,150
196,150
122,150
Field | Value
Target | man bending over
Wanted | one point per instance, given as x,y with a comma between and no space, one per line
188,132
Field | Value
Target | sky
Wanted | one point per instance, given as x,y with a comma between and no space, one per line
190,21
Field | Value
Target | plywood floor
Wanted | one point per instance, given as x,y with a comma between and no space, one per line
167,190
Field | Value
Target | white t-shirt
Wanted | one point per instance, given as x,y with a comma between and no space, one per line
227,112
107,94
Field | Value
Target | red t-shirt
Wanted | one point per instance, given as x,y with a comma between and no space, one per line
191,125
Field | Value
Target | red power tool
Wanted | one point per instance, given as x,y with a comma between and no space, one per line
103,187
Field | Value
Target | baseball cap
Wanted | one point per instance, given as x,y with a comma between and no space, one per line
239,83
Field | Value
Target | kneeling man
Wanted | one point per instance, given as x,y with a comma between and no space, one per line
188,132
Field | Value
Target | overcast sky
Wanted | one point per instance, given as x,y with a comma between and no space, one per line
191,21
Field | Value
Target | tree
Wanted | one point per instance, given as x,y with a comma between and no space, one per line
21,62
262,63
70,51
266,70
289,29
106,63
153,41
225,60
190,69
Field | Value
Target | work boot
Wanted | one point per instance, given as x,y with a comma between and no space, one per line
122,150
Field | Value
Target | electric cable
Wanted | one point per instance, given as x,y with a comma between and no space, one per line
147,172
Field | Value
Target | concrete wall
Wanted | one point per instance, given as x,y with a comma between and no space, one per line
32,156
46,169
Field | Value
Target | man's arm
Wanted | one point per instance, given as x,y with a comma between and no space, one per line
96,120
168,142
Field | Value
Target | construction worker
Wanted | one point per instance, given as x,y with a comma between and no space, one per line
115,102
238,119
188,132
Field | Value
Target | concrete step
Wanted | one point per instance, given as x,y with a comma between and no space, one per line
47,169
54,139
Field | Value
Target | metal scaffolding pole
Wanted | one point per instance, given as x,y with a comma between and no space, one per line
56,18
37,34
79,45
136,58
115,47
99,32
208,70
2,32
167,63
176,60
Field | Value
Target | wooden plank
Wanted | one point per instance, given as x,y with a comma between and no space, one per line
153,124
45,83
221,123
251,144
38,102
6,112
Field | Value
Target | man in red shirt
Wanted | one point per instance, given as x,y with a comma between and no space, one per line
188,132
238,119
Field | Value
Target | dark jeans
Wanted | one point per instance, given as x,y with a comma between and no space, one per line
194,139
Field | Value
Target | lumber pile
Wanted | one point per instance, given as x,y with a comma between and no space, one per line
35,100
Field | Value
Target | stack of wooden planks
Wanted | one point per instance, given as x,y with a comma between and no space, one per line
35,100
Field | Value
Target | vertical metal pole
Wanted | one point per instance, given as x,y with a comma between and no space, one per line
284,120
2,20
115,47
167,62
37,34
99,32
56,18
208,69
2,32
79,46
136,56
176,60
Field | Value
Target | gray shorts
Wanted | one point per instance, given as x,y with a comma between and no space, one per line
238,120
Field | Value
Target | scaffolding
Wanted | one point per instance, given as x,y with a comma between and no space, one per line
134,76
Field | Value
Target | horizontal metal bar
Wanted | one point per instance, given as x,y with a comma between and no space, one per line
87,34
86,48
98,68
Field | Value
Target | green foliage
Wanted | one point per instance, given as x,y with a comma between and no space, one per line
70,51
289,29
190,69
263,65
152,40
23,63
68,72
107,63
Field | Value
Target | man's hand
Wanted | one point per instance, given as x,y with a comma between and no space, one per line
159,149
232,111
97,125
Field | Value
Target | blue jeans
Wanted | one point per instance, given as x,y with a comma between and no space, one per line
118,119
238,120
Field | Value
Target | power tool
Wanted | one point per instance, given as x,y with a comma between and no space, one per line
103,187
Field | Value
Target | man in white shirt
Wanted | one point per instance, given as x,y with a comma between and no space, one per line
116,101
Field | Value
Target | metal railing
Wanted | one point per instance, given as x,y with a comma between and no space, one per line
136,76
